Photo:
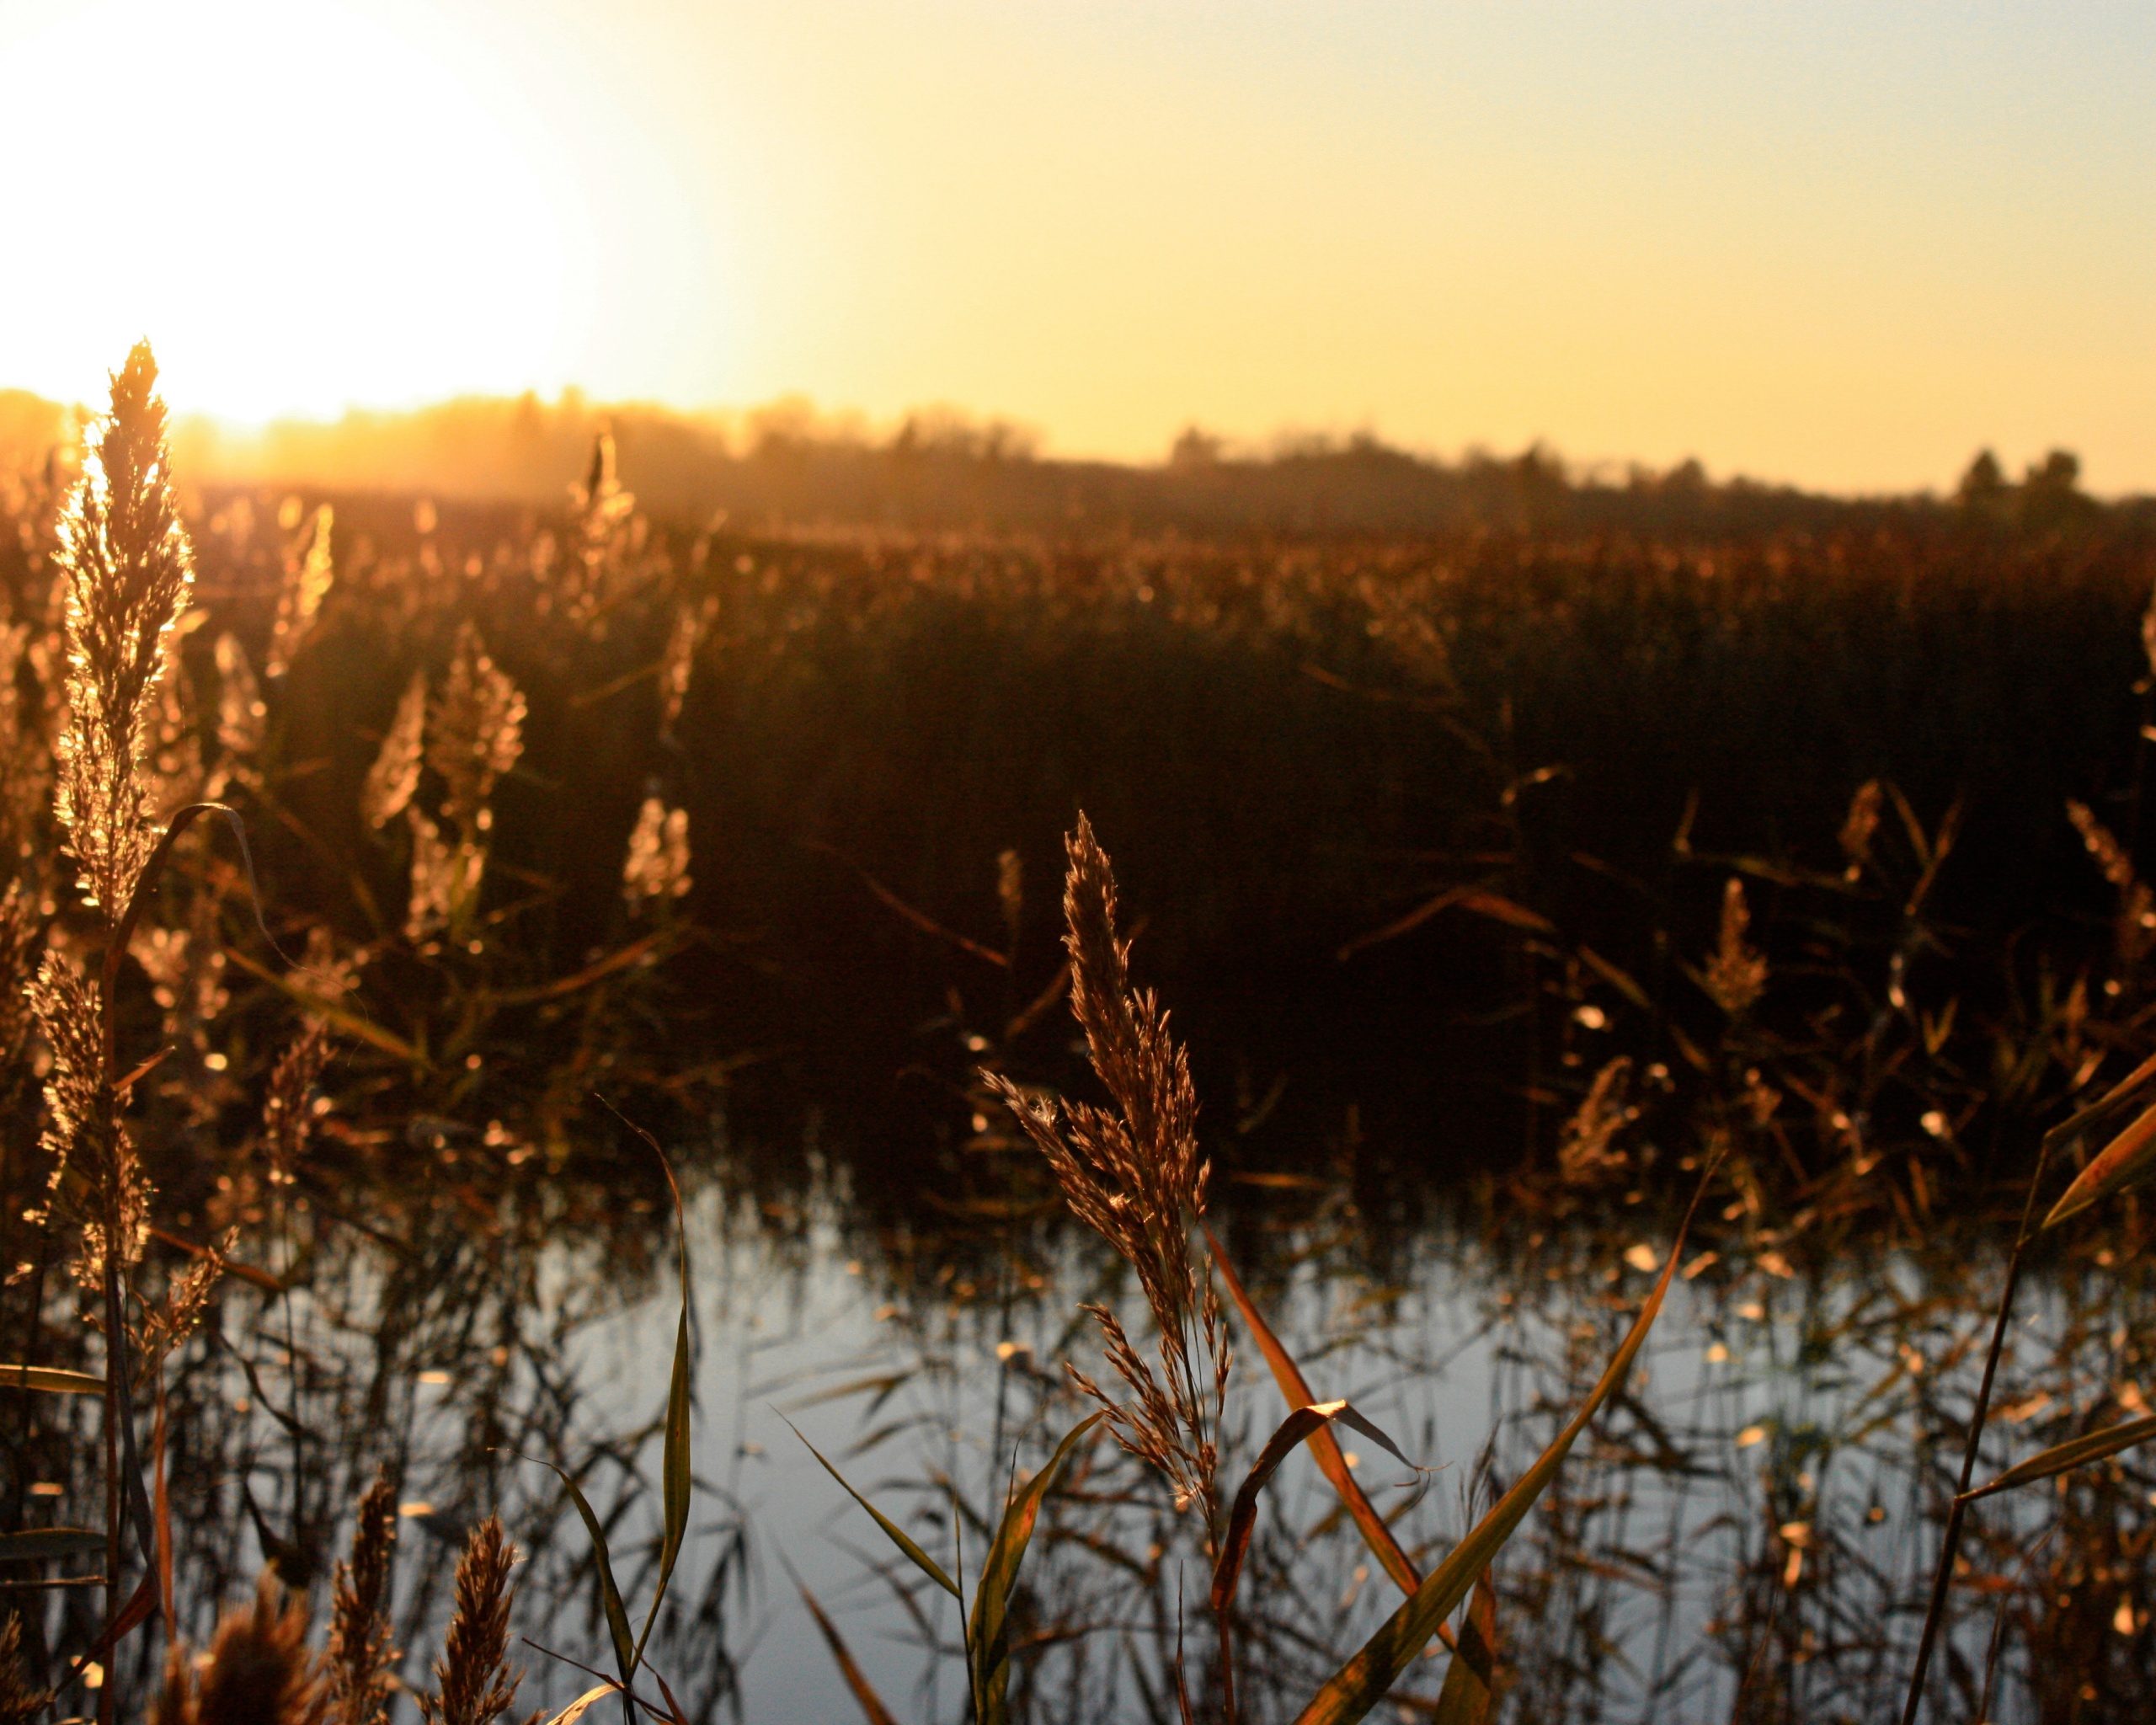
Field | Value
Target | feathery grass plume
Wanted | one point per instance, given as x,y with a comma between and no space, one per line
394,777
604,525
25,766
2137,904
242,714
1586,1152
477,1685
97,1186
658,865
307,581
288,1110
128,570
1736,975
260,1672
19,1704
475,732
163,1328
18,966
677,664
1136,1178
447,872
358,1654
1860,826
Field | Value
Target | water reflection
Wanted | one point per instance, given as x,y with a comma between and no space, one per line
1749,1533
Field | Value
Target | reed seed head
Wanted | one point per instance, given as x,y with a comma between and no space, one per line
477,1685
358,1655
19,1704
260,1672
1735,975
128,571
1136,1176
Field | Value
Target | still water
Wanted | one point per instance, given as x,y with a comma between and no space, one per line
1747,1532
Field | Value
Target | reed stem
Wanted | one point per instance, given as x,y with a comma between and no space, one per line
1942,1580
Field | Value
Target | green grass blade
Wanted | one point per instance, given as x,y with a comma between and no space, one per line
677,1486
927,1565
988,1639
610,1595
2075,1452
37,1544
51,1378
2124,1159
1359,1685
872,1704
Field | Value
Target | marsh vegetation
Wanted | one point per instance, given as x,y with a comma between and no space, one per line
1634,966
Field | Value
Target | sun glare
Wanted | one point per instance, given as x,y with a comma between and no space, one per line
303,205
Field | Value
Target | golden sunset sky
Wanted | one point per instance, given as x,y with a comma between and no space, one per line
1838,244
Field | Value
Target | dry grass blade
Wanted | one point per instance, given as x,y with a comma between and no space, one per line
1361,1684
1243,1517
1325,1448
2075,1452
872,1705
2124,1159
1470,1685
582,1705
52,1379
37,1544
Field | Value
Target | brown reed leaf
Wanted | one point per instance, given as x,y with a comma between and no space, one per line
477,1685
358,1654
260,1672
128,570
1136,1177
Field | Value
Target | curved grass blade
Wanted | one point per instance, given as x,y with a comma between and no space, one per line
1325,1448
1470,1685
1242,1519
927,1565
676,1484
610,1595
2125,1158
37,1544
51,1378
576,1709
2075,1452
988,1638
872,1705
1358,1686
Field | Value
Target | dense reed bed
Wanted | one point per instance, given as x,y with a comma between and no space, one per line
370,853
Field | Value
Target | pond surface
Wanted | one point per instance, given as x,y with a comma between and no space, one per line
1747,1531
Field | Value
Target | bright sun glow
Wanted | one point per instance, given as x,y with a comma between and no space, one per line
300,204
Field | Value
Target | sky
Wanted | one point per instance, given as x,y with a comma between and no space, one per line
1838,245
